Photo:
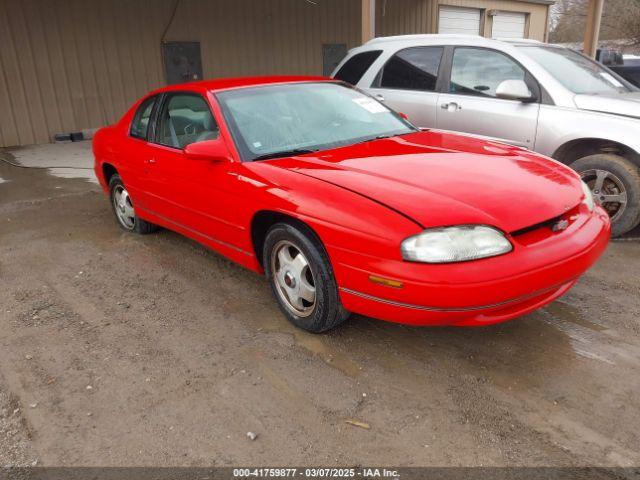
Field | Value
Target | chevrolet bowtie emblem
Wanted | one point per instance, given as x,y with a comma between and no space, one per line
560,225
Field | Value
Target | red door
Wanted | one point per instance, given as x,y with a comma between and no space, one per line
197,195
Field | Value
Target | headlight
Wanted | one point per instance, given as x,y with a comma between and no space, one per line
455,244
588,196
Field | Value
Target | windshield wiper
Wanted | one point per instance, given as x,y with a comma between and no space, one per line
379,137
383,136
285,153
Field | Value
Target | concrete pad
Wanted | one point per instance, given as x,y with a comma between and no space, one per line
66,160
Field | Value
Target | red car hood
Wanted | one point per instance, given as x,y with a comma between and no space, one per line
440,179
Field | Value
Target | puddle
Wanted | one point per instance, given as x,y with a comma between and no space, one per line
73,160
73,173
317,346
573,315
31,184
586,337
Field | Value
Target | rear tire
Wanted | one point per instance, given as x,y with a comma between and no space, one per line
123,209
611,176
301,279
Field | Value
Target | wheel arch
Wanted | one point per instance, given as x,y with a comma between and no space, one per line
575,149
108,171
263,220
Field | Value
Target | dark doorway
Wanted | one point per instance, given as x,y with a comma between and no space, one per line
332,54
182,62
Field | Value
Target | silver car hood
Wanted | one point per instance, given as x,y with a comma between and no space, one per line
627,104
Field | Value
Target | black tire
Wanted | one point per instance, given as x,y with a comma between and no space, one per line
327,311
138,225
626,173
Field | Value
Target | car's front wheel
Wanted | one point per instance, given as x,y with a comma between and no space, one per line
301,278
615,184
123,208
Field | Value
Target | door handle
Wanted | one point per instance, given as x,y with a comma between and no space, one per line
451,106
379,97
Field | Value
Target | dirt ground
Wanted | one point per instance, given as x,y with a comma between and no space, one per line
123,350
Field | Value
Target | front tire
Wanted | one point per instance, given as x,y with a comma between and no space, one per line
615,184
301,279
123,210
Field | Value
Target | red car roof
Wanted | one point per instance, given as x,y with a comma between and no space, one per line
228,83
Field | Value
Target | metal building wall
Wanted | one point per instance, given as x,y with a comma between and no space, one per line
536,22
399,17
69,65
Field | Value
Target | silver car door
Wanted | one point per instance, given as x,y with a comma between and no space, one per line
471,105
407,83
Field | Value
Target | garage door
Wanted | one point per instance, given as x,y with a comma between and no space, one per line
508,25
464,21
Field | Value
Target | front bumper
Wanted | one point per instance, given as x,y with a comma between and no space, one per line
542,267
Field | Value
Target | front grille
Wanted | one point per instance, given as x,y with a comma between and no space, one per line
568,215
531,228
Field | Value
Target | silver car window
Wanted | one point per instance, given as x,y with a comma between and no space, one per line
576,72
413,68
478,71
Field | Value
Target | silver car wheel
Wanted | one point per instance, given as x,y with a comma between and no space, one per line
608,191
293,278
123,207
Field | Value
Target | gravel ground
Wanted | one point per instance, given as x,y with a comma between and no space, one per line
127,350
15,432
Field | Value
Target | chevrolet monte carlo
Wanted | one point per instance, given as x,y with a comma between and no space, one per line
345,206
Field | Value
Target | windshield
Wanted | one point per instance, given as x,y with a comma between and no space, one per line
282,120
575,71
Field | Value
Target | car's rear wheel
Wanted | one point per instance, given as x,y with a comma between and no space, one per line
615,184
123,208
301,278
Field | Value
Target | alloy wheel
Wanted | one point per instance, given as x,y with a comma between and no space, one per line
293,277
608,191
123,207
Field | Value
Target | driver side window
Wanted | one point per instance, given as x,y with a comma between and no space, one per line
478,71
185,118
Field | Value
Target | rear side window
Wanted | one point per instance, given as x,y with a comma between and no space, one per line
354,68
140,123
413,69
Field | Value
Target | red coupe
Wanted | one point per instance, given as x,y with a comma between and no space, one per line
346,206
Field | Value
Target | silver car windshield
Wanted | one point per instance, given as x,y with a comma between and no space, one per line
283,120
576,72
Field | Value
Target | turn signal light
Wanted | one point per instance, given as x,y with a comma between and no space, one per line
387,282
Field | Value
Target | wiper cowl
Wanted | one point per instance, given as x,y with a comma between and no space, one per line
284,153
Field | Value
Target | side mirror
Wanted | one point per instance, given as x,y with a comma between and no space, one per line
403,116
514,90
209,150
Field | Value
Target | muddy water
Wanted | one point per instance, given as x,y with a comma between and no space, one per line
185,352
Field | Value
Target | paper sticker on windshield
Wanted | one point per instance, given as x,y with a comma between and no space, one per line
370,105
611,79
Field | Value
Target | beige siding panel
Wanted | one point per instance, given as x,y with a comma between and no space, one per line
8,122
71,65
13,72
537,13
401,17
